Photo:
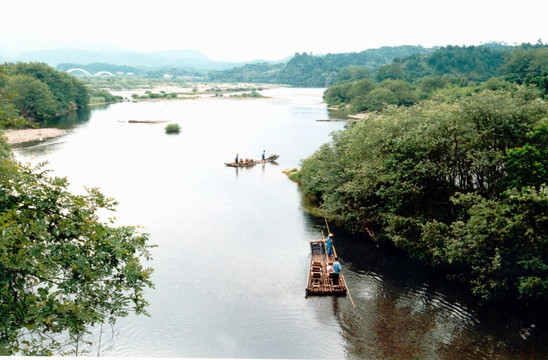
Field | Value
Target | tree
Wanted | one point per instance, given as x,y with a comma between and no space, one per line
403,91
42,92
62,270
528,66
390,71
9,115
357,94
528,165
377,99
352,73
32,98
429,85
338,94
67,90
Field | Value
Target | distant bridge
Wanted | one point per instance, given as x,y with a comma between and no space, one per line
87,73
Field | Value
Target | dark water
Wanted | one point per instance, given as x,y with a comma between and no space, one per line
232,255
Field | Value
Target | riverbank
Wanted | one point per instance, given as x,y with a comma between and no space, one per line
27,135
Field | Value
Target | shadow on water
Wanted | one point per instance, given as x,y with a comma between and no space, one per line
407,311
72,119
69,122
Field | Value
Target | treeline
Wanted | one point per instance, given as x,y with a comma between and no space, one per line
37,92
309,70
448,73
459,183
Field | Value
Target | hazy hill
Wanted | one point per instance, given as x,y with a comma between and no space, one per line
185,59
315,70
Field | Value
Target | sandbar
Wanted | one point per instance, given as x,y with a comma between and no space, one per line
26,135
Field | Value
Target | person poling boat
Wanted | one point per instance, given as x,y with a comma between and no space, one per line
329,244
336,271
325,275
239,162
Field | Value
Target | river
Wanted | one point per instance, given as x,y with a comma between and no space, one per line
232,244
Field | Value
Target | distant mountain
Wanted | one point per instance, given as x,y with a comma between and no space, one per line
192,60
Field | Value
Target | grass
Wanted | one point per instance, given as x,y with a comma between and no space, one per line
293,174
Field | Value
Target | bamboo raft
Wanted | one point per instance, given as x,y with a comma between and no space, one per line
319,281
249,163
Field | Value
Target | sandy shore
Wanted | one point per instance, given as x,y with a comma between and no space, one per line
193,91
26,135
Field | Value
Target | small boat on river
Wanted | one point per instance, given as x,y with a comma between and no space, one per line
250,162
319,280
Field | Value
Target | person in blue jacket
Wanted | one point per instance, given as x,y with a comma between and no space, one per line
329,244
336,271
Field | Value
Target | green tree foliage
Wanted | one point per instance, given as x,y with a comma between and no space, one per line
316,70
358,94
404,93
338,94
460,185
478,63
33,98
377,99
62,270
527,165
352,73
446,74
529,66
429,85
390,71
9,115
40,92
102,96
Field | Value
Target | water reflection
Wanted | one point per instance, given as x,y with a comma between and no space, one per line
73,118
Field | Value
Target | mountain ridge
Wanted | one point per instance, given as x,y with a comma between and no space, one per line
190,59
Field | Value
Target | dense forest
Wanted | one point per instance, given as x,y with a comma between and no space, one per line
447,73
309,70
409,63
38,93
450,164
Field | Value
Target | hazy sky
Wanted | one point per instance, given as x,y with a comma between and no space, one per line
241,30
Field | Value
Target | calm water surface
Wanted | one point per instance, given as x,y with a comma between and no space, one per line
232,255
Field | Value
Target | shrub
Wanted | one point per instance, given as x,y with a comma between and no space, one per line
173,129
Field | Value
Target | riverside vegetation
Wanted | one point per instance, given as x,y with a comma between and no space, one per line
62,270
457,179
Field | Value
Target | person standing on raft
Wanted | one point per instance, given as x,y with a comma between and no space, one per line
329,244
336,271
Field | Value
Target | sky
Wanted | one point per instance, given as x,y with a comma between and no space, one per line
245,30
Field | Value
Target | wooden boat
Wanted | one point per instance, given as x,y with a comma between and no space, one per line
249,163
319,281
